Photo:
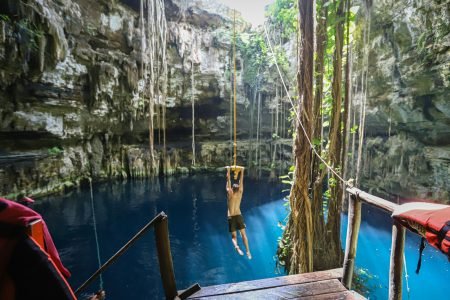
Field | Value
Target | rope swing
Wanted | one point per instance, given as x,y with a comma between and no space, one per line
234,85
234,166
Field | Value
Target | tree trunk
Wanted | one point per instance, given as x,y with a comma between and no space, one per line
300,227
347,97
318,174
334,256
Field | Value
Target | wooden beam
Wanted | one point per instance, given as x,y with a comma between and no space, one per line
184,294
121,251
396,265
354,222
373,200
165,257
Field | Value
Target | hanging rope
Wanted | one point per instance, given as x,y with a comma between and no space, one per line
364,78
406,275
234,84
193,111
95,232
231,113
298,117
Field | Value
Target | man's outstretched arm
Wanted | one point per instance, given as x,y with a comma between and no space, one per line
241,181
228,184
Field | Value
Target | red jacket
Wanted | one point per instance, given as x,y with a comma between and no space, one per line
27,270
432,221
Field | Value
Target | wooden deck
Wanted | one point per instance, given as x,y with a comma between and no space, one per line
316,285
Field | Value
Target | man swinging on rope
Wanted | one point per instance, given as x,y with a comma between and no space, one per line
235,219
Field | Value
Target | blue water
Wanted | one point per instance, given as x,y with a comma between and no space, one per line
373,254
201,247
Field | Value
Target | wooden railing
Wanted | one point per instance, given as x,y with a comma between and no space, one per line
160,222
398,240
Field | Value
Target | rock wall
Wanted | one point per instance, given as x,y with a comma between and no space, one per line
70,106
407,148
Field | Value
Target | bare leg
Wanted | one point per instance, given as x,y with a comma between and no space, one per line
235,243
244,238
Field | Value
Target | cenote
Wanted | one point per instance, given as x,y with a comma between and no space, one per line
144,104
201,246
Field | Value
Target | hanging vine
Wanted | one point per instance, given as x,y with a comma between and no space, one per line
153,28
364,77
193,112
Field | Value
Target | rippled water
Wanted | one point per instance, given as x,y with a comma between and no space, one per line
201,247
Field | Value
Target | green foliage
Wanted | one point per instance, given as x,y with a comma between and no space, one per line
91,29
255,52
289,178
279,57
364,282
283,248
322,166
4,18
283,14
11,196
316,142
54,151
260,63
332,182
29,34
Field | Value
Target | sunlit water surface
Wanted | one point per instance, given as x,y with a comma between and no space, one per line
201,246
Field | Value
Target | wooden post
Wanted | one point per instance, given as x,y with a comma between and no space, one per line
396,266
165,258
354,222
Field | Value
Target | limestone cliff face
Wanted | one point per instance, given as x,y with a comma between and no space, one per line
407,150
69,91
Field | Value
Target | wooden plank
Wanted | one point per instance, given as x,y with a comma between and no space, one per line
310,289
373,200
354,222
268,283
346,295
396,264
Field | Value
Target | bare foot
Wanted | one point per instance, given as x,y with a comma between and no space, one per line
249,255
239,251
